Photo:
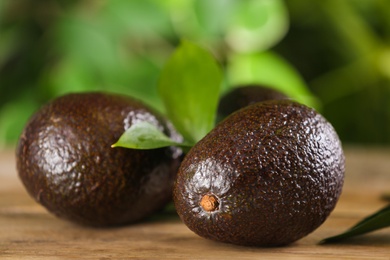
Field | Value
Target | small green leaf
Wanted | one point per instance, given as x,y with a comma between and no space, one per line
144,135
190,86
378,220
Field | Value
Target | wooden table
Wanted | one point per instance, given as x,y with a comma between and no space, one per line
27,231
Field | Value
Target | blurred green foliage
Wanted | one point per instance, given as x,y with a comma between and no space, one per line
333,55
342,50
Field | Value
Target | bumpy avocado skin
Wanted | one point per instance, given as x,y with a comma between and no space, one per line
65,160
245,95
277,169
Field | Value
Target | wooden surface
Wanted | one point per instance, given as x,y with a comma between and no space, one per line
27,231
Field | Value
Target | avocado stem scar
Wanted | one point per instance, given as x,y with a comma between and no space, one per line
209,202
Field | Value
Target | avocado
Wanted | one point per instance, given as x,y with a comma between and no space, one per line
268,175
66,163
244,95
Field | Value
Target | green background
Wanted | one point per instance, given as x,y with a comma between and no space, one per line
332,55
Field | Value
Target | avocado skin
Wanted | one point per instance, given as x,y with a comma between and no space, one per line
245,95
65,160
277,168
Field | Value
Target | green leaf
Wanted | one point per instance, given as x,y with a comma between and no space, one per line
257,25
144,135
270,69
190,86
378,220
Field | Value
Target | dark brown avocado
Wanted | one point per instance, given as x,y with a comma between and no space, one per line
245,95
65,160
267,175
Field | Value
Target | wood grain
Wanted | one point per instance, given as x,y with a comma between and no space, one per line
27,231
